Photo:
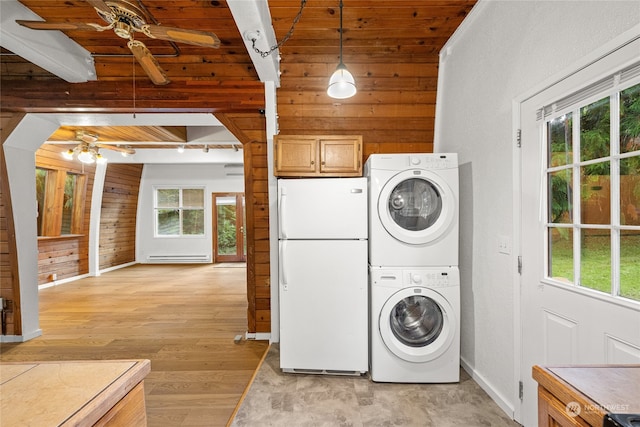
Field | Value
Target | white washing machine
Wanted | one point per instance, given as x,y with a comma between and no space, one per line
415,325
413,210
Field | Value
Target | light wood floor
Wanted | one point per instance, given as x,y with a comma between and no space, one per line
182,317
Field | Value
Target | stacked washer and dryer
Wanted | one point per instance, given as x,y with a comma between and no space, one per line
413,268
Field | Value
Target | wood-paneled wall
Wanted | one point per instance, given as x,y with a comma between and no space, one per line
65,256
118,214
9,278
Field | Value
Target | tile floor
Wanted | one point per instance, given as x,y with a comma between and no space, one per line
278,399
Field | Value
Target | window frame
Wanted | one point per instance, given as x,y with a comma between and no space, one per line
53,200
180,208
615,228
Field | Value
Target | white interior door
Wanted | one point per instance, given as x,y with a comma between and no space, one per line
561,322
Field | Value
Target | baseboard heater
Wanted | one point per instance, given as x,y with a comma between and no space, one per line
178,258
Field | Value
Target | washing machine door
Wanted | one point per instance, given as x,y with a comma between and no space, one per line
416,207
417,324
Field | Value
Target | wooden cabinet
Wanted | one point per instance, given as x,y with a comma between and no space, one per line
318,155
83,393
583,395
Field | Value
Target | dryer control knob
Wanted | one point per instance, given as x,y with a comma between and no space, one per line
415,160
416,278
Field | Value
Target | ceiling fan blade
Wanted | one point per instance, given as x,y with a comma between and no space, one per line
126,150
43,25
100,6
148,63
195,37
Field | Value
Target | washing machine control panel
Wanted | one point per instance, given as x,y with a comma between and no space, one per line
429,279
434,161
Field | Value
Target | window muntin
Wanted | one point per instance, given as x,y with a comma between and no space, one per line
593,194
179,211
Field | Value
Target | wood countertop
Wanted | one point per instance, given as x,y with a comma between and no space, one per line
598,389
66,393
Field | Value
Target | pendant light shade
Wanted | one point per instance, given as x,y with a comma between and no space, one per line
341,84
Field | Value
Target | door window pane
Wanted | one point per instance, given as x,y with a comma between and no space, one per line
595,134
595,196
561,254
629,264
227,237
560,140
595,257
561,196
630,191
630,119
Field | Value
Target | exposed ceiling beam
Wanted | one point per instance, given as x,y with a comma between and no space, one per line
254,21
50,50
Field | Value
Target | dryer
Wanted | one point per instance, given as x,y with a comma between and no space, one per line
413,210
415,325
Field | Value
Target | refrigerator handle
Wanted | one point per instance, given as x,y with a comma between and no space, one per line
283,275
283,195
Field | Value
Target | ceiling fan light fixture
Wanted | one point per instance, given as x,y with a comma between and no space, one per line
68,154
342,85
100,159
86,156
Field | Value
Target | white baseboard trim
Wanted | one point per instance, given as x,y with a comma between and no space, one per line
258,336
20,338
62,281
82,276
501,401
117,267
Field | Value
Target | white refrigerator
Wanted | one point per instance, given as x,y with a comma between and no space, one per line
322,275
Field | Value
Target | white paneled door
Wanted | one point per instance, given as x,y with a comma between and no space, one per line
563,318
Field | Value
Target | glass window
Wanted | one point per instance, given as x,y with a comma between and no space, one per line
179,211
593,197
68,202
41,189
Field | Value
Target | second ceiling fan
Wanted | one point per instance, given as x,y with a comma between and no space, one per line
125,19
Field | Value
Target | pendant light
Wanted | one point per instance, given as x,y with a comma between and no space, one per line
341,85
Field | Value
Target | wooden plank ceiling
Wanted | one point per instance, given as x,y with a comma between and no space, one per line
391,47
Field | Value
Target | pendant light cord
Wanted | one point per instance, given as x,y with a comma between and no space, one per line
340,33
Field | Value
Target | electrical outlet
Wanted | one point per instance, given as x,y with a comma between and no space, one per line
504,245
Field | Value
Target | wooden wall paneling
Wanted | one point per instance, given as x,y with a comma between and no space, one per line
9,276
250,235
118,214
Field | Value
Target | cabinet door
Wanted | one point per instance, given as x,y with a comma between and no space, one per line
296,156
341,156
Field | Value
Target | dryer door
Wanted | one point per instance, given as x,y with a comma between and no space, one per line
417,324
416,206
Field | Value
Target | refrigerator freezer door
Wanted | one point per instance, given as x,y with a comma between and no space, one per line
322,208
324,306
